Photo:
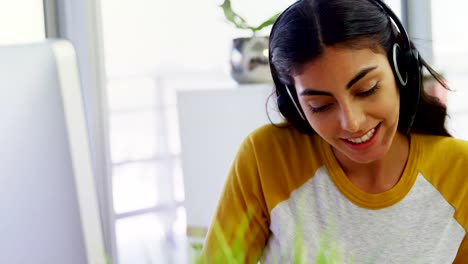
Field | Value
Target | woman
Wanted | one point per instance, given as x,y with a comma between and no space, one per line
365,172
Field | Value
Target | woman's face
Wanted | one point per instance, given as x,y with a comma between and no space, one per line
351,100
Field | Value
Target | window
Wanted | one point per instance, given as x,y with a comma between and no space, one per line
21,21
395,5
450,44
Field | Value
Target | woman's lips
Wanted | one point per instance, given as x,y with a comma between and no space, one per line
363,141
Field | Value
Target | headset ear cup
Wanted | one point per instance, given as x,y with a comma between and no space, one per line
414,69
407,68
400,65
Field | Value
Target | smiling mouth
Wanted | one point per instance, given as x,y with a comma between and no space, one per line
364,138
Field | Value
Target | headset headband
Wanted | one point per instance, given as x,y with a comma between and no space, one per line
396,21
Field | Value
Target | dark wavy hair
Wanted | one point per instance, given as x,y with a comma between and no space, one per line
305,29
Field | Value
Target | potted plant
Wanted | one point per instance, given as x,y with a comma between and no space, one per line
249,55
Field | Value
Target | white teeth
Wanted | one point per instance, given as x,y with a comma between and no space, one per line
364,138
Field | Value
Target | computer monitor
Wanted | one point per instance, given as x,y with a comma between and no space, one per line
48,206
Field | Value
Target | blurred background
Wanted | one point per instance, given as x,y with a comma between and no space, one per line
135,56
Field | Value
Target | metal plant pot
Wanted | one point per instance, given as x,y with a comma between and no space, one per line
249,60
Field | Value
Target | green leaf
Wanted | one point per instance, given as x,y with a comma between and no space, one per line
240,22
268,22
233,17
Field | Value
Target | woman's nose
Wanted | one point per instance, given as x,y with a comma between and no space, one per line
352,117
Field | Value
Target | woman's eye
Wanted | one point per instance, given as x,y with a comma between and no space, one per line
370,91
319,109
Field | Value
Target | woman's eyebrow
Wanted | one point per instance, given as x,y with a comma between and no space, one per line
309,92
356,78
360,75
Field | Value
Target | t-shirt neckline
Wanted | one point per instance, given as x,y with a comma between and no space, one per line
369,200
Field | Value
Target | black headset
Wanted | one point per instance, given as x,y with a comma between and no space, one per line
406,67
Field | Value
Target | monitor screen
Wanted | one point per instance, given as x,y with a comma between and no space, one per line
48,205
